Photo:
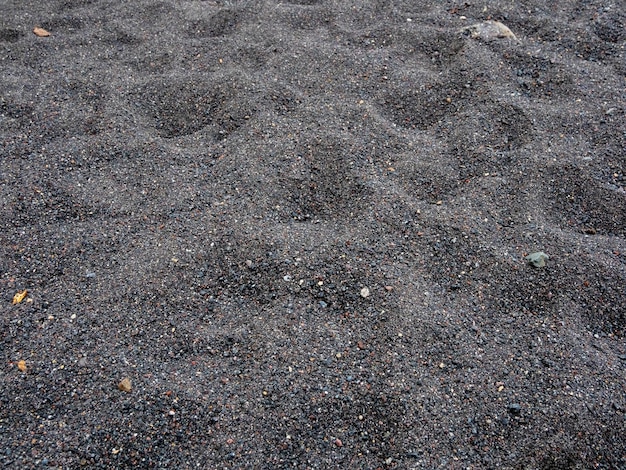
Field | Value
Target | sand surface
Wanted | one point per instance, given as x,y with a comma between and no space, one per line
299,230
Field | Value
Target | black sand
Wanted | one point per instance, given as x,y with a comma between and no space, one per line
199,196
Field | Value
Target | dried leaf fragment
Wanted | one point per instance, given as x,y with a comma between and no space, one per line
125,385
21,295
42,33
21,365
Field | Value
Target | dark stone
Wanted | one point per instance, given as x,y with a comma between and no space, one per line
514,408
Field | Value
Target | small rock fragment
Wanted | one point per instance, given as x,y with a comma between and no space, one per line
125,385
514,408
365,292
21,365
537,259
338,443
488,30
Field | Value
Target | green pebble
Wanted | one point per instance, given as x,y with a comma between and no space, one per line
537,259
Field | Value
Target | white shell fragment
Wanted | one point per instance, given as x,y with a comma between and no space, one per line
488,30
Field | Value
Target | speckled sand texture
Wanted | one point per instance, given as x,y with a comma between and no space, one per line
271,235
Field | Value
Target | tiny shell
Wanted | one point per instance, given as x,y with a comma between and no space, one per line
488,30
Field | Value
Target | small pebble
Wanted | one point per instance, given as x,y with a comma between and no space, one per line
538,259
488,30
42,33
515,408
125,385
338,443
365,292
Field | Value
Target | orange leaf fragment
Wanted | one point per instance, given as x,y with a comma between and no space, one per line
21,365
125,385
42,33
21,295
